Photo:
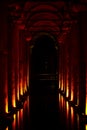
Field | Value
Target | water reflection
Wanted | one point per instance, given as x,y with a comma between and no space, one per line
46,111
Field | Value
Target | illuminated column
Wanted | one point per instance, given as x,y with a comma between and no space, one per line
86,81
3,60
3,83
65,67
74,38
62,85
28,66
24,68
21,64
28,39
16,49
11,67
67,73
60,69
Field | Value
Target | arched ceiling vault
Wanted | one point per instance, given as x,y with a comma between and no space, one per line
53,17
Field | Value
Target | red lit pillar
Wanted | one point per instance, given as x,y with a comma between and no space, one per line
16,59
21,62
3,82
3,60
11,66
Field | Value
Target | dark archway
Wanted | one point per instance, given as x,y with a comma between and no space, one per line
44,62
44,56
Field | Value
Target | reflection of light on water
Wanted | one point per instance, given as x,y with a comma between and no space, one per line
28,103
21,115
77,121
18,119
67,114
72,115
14,122
85,126
67,110
60,101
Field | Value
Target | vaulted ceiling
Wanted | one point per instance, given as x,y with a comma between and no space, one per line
55,18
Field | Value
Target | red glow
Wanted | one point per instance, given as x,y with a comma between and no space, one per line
72,90
22,27
44,16
6,93
44,6
21,87
28,39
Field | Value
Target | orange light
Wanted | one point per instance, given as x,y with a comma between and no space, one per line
67,85
6,105
77,115
67,91
6,100
72,117
21,89
72,90
86,95
62,101
67,110
72,114
67,88
78,95
86,106
59,81
13,98
71,95
21,115
25,87
6,93
6,128
18,92
14,122
86,127
62,84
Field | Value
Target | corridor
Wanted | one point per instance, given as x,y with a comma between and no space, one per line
43,65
